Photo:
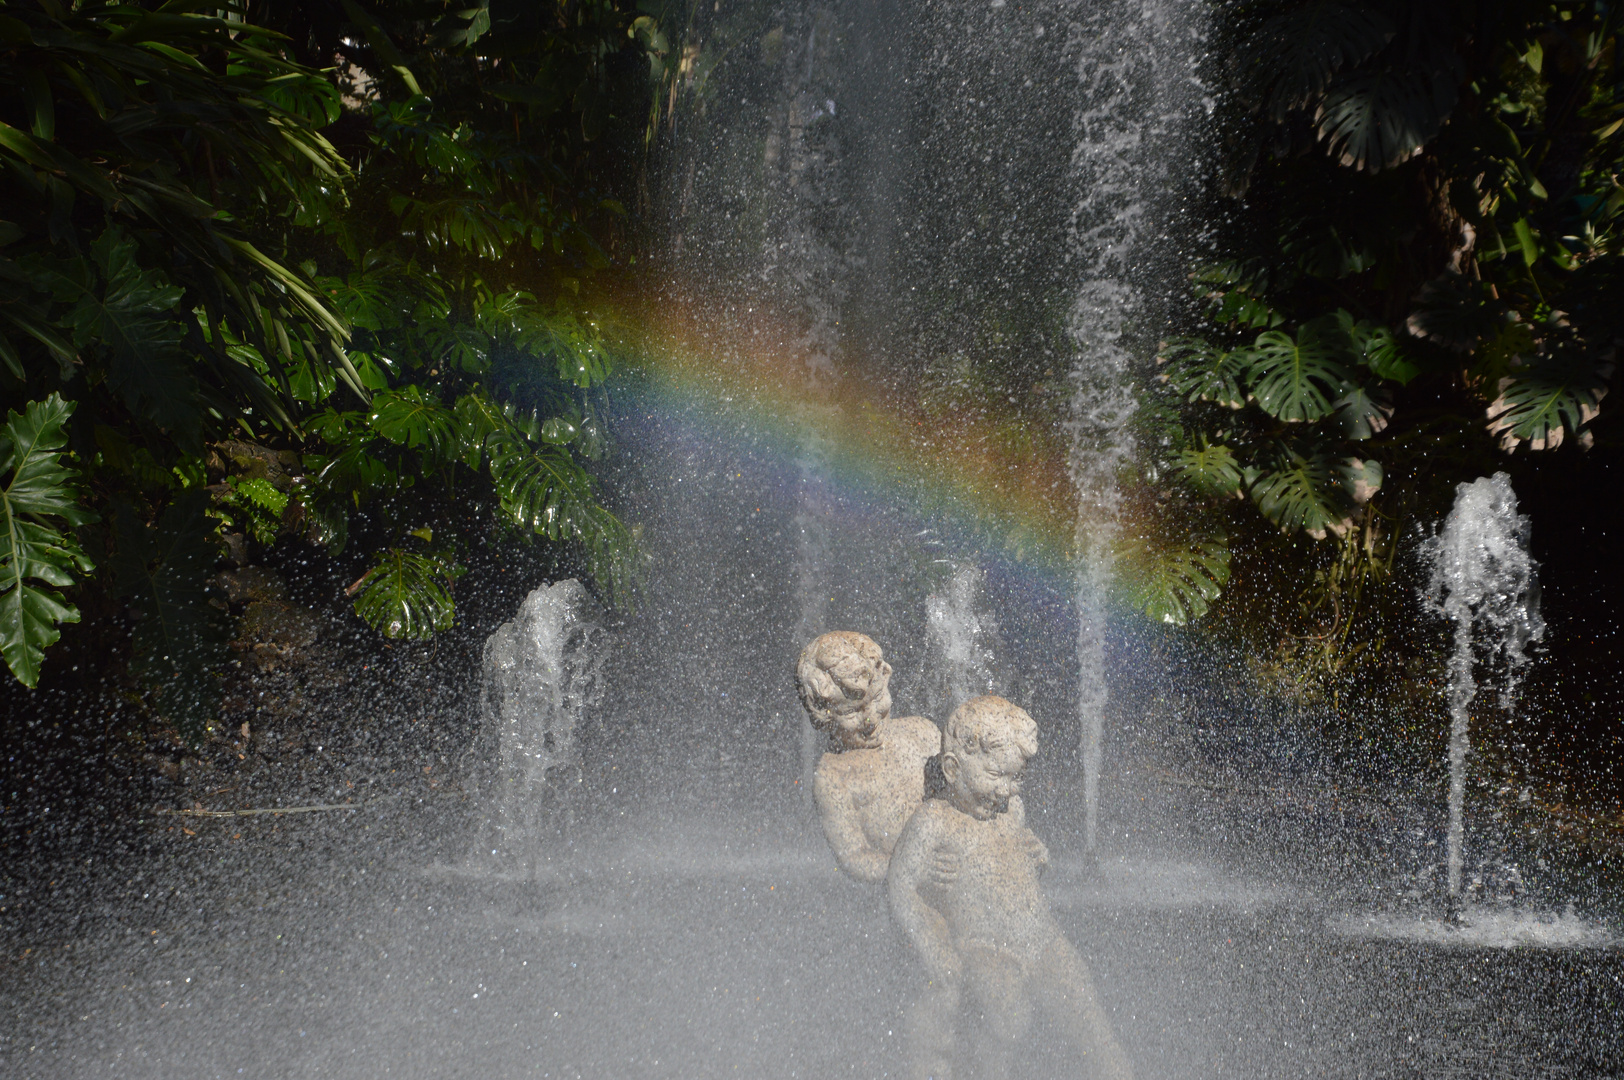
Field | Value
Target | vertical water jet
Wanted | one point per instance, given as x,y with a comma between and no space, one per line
1483,578
540,675
959,633
1136,68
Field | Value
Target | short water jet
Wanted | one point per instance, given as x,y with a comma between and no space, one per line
1483,579
540,675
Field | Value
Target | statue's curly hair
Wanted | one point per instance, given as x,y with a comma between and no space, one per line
986,723
832,675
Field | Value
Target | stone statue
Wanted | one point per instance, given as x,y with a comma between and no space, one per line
872,778
983,925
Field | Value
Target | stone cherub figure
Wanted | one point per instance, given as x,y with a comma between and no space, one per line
987,928
872,778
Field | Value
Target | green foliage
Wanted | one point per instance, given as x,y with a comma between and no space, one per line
1426,239
178,645
117,267
406,595
280,295
40,501
1172,583
1209,469
1558,394
259,507
1298,379
1203,373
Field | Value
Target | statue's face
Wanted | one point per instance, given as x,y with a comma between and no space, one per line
868,675
982,784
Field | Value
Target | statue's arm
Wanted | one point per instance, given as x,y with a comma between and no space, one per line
910,864
844,830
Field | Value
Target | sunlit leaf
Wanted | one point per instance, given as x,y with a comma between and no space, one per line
38,554
1554,398
405,595
1172,583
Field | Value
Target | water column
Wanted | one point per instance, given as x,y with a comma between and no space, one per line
1482,578
1139,95
541,673
803,262
959,632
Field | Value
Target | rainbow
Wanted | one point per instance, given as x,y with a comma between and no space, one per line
993,477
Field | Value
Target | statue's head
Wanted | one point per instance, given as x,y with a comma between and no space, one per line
984,749
846,687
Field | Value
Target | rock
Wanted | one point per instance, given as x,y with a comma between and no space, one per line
252,583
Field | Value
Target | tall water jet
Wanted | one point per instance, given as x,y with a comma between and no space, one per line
540,675
1483,579
959,633
1136,65
803,262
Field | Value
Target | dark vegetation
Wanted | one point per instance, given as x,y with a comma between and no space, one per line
1418,282
303,317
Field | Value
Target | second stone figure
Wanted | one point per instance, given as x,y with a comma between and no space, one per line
872,779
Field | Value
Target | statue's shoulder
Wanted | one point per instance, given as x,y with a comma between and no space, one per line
921,732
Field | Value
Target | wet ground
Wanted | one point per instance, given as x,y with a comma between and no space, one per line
351,944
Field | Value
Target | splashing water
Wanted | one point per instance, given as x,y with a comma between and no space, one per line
540,676
1482,577
1138,93
958,632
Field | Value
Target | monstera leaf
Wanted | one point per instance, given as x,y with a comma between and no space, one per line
1557,397
1172,583
543,489
1205,373
1386,354
38,556
405,595
1296,54
1457,312
1210,469
1299,379
1360,414
416,421
178,643
1302,490
1373,120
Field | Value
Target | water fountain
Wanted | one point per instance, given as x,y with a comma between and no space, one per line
1138,99
1487,585
540,675
880,184
960,633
